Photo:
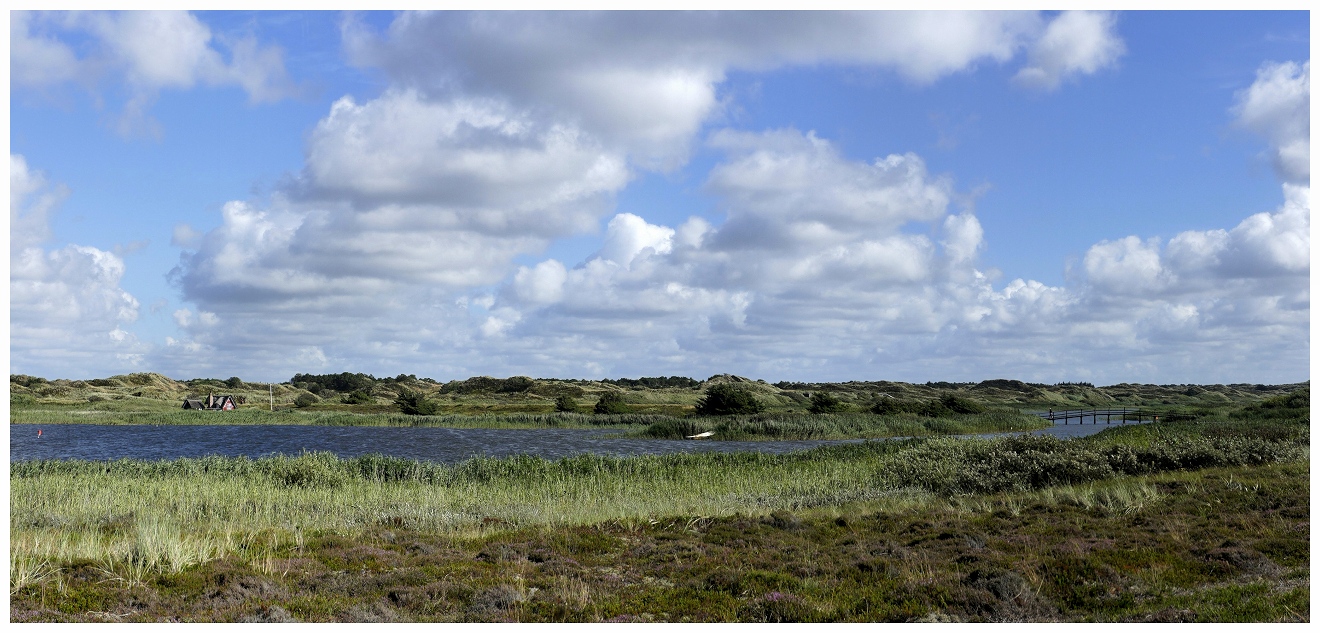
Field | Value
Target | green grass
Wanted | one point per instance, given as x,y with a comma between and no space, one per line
783,426
1121,549
250,416
805,426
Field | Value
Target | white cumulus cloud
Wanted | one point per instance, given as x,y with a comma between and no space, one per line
65,304
148,51
647,81
1074,43
1278,107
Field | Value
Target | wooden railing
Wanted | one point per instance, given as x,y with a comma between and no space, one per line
1109,416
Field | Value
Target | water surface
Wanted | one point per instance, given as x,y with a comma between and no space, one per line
445,445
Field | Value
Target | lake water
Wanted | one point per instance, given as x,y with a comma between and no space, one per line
446,445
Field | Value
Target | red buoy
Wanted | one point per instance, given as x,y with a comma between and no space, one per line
38,432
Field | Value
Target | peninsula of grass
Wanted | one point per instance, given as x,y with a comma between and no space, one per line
783,426
1197,520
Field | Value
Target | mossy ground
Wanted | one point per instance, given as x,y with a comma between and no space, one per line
1222,544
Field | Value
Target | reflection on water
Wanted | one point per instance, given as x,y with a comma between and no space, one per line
446,445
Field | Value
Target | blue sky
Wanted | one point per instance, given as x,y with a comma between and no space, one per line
784,196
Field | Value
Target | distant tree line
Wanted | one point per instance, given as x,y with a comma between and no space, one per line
486,384
649,382
946,405
346,382
658,382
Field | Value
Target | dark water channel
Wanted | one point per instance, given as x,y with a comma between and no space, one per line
446,445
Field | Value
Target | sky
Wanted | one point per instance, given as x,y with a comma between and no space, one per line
954,196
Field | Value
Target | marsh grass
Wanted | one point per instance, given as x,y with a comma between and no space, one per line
1123,549
775,426
801,426
136,518
328,418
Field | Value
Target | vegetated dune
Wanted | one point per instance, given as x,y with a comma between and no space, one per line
673,395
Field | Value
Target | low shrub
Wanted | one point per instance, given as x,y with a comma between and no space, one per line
517,384
305,400
566,404
1029,462
21,399
1290,405
726,399
611,402
825,402
948,404
415,403
360,396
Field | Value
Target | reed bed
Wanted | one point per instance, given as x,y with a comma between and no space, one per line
331,418
774,426
805,426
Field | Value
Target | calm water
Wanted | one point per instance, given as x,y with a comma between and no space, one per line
99,442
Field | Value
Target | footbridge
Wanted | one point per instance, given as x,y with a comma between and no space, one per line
1100,416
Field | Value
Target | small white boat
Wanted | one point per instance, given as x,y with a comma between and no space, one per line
701,435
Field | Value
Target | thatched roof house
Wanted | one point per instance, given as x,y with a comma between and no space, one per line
212,403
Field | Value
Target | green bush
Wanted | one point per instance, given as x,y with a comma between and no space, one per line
566,404
305,400
415,403
894,406
517,384
1030,462
725,399
957,404
948,404
825,402
342,383
21,399
359,397
611,402
1290,405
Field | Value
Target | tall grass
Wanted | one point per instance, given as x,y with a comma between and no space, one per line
784,426
330,418
801,426
133,516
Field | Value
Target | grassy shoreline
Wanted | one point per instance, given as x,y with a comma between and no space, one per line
770,426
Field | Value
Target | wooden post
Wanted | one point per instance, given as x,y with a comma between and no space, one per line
272,396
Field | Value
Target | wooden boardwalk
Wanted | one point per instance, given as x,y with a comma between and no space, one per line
1109,416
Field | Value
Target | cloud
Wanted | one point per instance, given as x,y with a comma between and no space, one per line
1074,43
1277,106
185,236
645,82
38,59
66,306
628,236
473,163
1126,266
399,243
541,284
811,240
1265,245
400,191
149,51
868,270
